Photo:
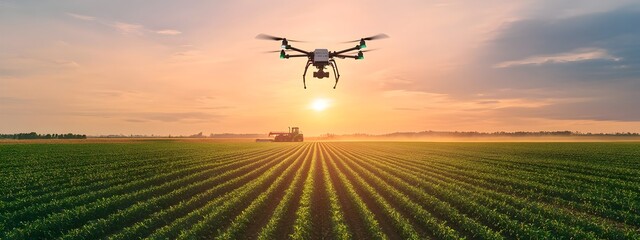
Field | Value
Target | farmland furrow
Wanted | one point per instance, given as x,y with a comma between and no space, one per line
302,227
354,220
615,207
320,207
544,164
367,216
546,193
141,172
442,210
570,186
521,209
139,211
438,229
212,221
62,171
339,227
221,204
338,190
259,205
181,209
44,208
284,210
53,224
400,222
480,213
541,192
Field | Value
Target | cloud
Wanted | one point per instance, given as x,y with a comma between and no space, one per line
127,28
81,17
581,54
578,67
168,32
124,27
597,109
67,63
187,54
606,36
28,66
131,28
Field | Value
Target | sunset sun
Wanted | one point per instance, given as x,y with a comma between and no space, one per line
320,104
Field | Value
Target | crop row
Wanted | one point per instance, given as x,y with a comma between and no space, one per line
321,190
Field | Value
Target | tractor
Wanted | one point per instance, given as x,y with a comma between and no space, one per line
293,135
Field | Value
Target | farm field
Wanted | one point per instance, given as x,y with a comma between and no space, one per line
316,190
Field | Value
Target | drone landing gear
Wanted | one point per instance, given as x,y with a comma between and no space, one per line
305,73
321,73
336,73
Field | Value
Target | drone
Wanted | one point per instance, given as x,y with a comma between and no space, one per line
321,58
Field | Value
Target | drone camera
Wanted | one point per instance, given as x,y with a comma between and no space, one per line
320,74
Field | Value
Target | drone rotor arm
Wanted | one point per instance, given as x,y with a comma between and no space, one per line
346,50
296,55
345,56
297,50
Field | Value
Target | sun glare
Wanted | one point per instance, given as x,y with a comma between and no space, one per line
320,104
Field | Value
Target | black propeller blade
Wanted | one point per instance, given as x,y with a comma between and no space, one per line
375,37
379,36
276,51
269,37
369,50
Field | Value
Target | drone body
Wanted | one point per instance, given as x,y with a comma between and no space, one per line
321,58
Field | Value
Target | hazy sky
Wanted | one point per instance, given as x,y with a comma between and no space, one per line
182,67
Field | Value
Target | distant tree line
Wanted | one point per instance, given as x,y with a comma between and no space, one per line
34,135
197,135
479,134
237,135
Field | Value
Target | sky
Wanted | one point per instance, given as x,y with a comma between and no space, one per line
183,67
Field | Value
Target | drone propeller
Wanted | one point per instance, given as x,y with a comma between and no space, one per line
274,51
369,50
269,37
375,37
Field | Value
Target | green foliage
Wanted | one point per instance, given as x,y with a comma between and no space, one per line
407,190
34,135
302,226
